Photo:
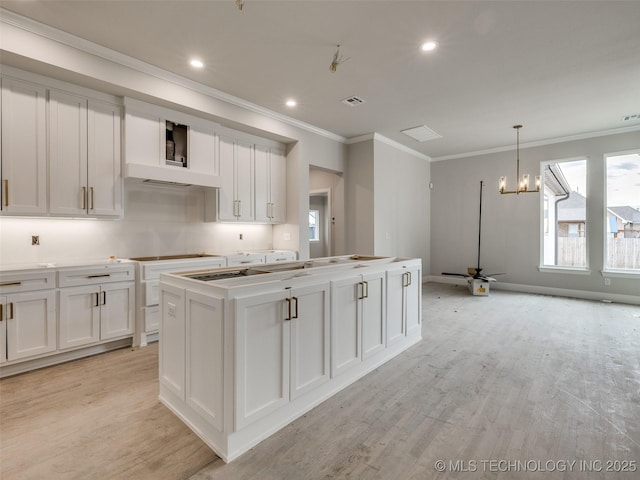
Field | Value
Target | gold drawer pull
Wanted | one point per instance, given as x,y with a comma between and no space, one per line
6,193
7,284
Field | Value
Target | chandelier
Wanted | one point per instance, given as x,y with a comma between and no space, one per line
522,185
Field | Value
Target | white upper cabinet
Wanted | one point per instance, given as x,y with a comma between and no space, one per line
67,153
252,181
84,156
24,143
104,162
169,146
270,180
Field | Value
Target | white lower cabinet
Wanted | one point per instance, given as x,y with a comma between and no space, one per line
358,319
28,324
96,312
404,302
282,349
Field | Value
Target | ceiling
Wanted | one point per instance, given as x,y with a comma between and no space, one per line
561,68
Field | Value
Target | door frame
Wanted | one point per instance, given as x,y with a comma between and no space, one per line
324,192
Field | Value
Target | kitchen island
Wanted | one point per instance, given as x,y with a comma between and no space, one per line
244,351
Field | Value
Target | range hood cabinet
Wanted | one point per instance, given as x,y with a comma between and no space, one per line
169,146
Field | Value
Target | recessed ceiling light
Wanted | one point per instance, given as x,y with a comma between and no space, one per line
291,103
195,63
428,46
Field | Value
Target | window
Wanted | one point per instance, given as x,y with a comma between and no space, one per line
564,213
314,225
623,212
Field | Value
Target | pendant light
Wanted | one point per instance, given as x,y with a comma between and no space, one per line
522,185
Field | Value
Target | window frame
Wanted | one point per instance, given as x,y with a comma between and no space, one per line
607,272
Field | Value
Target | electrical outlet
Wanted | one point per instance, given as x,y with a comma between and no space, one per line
35,239
607,282
241,236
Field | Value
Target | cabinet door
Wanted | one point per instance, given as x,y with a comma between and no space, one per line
310,339
413,302
205,357
172,352
68,189
262,184
24,148
373,314
345,325
31,324
103,167
3,330
226,192
278,186
117,310
396,328
262,356
244,182
79,319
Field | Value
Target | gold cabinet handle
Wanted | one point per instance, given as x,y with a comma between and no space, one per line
1,312
91,198
295,315
10,316
104,297
84,198
365,293
99,275
6,284
6,193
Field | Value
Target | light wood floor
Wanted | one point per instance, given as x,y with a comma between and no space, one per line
531,380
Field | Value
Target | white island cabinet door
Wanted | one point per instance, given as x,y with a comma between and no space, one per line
262,355
413,301
172,340
205,357
24,148
79,321
396,307
31,324
346,351
373,314
310,340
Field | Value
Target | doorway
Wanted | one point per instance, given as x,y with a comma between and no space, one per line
320,223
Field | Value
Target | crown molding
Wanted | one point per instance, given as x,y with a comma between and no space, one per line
387,141
539,143
86,46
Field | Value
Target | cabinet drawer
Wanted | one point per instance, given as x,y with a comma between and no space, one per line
279,257
15,282
95,275
151,318
245,259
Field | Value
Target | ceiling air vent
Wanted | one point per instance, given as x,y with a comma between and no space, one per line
635,116
353,101
421,133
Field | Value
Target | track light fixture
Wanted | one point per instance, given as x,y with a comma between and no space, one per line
523,183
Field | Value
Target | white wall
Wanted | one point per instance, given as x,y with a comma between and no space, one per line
387,192
401,204
157,221
360,198
511,224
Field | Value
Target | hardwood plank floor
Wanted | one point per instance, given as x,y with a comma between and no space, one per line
536,381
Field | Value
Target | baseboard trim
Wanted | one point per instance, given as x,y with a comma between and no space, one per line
56,358
536,289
